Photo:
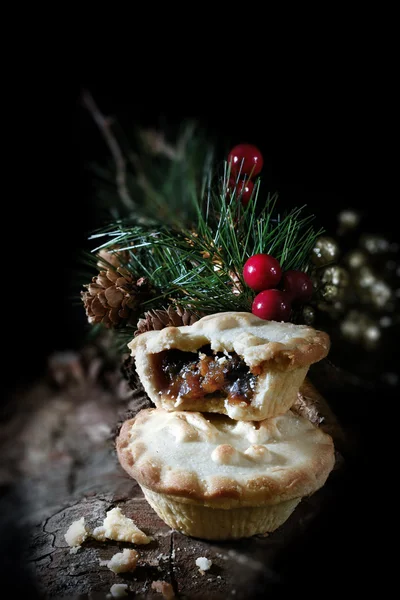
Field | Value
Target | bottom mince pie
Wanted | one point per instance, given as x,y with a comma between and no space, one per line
211,477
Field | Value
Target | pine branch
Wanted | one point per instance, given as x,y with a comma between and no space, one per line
202,267
185,232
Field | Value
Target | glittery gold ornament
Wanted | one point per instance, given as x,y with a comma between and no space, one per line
325,251
334,282
348,220
358,291
332,293
355,259
374,244
359,327
308,314
365,277
335,276
352,325
371,335
381,294
339,306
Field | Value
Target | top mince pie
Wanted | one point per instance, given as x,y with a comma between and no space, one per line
232,363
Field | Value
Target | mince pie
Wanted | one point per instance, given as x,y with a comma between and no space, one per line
232,363
211,477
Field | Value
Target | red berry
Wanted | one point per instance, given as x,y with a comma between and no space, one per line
262,271
244,189
245,159
298,285
272,305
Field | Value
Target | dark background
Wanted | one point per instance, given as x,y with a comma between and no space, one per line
322,147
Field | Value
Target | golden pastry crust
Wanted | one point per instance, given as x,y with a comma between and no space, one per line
208,523
285,345
279,353
222,463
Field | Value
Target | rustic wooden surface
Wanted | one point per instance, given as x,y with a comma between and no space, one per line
59,464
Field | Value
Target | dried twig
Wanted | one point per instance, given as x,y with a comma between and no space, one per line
104,124
155,141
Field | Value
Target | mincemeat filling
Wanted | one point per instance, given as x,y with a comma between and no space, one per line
193,376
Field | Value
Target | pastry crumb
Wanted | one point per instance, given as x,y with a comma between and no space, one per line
76,534
162,556
124,561
118,590
118,527
99,533
103,563
203,563
164,588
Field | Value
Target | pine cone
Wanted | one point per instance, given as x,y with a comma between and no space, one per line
116,258
114,297
174,316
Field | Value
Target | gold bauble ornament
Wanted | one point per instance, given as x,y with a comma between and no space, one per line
308,314
359,327
339,306
381,294
335,275
325,251
374,244
371,335
365,277
348,220
335,281
355,259
351,327
332,293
